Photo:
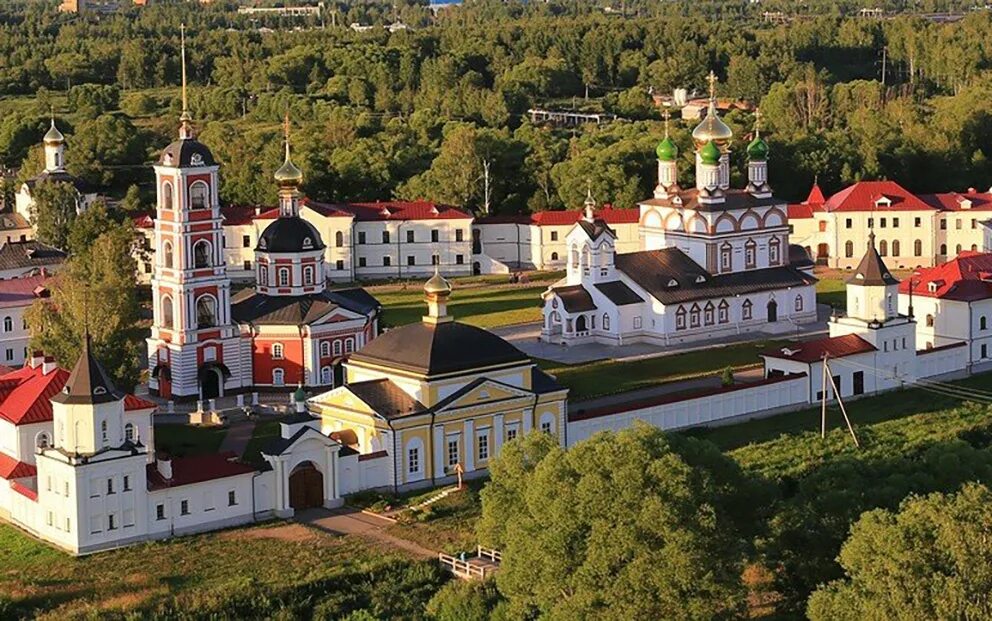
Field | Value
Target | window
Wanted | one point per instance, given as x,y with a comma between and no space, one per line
849,223
129,432
871,223
554,235
435,235
339,265
849,249
452,451
201,254
127,483
459,259
460,234
918,248
308,274
8,324
362,262
277,351
413,460
957,249
337,348
283,273
726,258
385,237
435,259
410,260
206,312
746,310
546,426
606,322
750,254
110,486
929,321
985,351
326,376
167,254
883,248
483,442
159,512
511,433
232,499
349,346
247,266
263,274
881,223
957,224
361,237
325,349
943,249
822,226
103,432
339,239
246,241
943,225
981,323
799,303
694,316
917,222
167,312
895,247
723,312
410,237
167,196
198,195
774,250
637,323
278,377
680,318
708,314
387,261
42,441
183,507
554,256
10,355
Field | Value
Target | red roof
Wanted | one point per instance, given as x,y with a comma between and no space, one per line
237,214
815,195
959,201
17,292
866,195
196,469
814,351
566,217
11,468
799,211
966,278
132,403
380,211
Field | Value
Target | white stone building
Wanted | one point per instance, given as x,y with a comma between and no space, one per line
54,172
16,297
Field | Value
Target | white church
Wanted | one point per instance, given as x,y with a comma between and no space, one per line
54,172
715,260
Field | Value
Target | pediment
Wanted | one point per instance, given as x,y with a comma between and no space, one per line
487,391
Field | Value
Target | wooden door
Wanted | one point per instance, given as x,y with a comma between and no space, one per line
306,487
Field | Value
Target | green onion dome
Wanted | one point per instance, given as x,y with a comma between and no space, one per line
758,150
299,395
710,153
667,151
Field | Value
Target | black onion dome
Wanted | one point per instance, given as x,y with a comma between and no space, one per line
186,153
289,234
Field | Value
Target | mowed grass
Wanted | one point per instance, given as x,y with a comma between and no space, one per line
189,573
606,377
451,526
489,306
185,440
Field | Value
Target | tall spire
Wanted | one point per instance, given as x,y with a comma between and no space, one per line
288,176
589,206
185,119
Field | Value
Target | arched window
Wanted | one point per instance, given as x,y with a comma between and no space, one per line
586,258
349,346
326,376
575,256
849,249
943,249
325,349
8,324
206,311
198,195
339,239
680,318
747,308
167,312
283,276
883,248
606,322
167,254
895,247
708,314
167,195
723,312
957,250
308,275
42,440
918,248
982,323
201,254
726,257
774,251
129,432
337,348
278,377
263,275
554,256
974,247
277,351
694,313
750,254
929,321
799,303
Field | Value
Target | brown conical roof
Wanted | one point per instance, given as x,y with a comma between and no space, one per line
872,270
89,382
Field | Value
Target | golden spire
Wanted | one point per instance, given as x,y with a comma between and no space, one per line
757,122
712,128
288,175
666,115
711,78
185,118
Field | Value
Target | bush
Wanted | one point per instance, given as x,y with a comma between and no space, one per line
727,379
462,600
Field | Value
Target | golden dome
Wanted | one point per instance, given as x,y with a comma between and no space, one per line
54,136
712,128
437,284
288,174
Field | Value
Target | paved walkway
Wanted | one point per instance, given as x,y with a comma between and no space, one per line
238,436
526,338
697,383
350,521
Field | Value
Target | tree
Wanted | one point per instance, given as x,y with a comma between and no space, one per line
132,200
628,525
462,600
54,211
930,560
727,378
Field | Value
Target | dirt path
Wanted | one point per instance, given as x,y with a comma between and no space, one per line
347,521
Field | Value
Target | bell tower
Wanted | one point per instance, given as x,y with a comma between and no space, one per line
192,350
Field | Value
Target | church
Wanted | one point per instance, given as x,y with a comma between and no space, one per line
207,341
715,259
54,172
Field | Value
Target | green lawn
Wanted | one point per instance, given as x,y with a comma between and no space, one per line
831,291
265,431
605,377
183,440
482,306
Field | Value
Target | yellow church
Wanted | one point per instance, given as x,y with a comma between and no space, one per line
438,396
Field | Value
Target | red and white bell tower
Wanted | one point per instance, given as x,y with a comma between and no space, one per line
193,349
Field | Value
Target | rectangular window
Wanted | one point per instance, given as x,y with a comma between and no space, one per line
985,351
871,223
339,264
849,223
232,499
637,323
410,260
881,223
840,388
859,382
183,507
554,235
409,237
546,427
246,241
452,451
361,237
361,262
110,486
511,433
943,225
159,512
917,222
247,266
48,518
895,223
413,460
387,261
66,489
483,441
459,259
957,224
974,223
10,354
127,483
111,522
460,235
68,525
435,235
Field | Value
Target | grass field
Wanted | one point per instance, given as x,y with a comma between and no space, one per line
183,440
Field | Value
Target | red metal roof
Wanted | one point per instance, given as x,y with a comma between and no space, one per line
237,214
799,211
196,469
132,403
959,201
815,195
11,468
16,292
565,217
966,278
814,351
864,196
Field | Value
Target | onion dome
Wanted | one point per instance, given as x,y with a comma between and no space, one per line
712,129
667,151
54,136
437,284
299,395
757,151
710,154
289,234
288,175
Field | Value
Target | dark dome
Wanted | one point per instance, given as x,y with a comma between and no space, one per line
434,349
289,234
186,153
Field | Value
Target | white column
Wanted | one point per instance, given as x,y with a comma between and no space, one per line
497,439
469,460
440,450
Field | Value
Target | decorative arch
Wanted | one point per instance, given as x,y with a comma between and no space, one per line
168,257
726,223
168,312
199,195
697,224
339,239
206,311
168,198
652,219
675,222
202,251
774,217
750,221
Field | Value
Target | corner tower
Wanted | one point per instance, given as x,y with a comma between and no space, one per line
192,351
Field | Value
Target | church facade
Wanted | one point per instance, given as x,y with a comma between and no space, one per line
715,260
54,172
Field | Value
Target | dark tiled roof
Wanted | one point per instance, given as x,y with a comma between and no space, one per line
672,277
596,228
88,382
249,306
433,349
27,254
542,383
61,177
619,293
186,153
733,199
798,257
575,298
196,469
814,351
289,234
872,270
386,398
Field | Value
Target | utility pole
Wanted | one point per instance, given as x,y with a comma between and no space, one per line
885,51
485,187
827,374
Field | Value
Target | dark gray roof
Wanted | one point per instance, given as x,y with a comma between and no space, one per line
596,228
186,153
433,349
289,234
249,306
733,199
386,398
88,382
672,277
61,176
872,270
619,293
799,257
27,254
575,298
542,383
279,445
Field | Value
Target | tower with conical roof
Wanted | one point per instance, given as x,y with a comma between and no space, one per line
872,291
89,410
193,348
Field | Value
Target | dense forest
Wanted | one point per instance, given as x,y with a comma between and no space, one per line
421,112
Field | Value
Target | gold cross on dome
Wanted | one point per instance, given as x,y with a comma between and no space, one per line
757,122
712,80
666,115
